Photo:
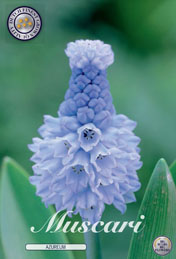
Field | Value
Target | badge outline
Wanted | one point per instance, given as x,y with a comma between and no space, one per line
24,6
170,242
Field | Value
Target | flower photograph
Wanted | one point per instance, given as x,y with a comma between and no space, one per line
87,143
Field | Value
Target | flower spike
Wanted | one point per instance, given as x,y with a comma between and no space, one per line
88,156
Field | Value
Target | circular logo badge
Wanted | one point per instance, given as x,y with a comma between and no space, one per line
162,245
24,23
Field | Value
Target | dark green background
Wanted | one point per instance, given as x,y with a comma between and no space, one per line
34,76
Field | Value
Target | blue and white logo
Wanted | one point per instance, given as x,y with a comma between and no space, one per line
24,23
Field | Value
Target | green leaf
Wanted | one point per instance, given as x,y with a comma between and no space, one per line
20,209
159,209
2,255
172,169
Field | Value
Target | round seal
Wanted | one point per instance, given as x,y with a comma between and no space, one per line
162,245
24,23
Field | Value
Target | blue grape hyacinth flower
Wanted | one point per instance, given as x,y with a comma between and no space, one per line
88,156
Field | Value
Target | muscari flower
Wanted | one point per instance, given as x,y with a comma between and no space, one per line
88,156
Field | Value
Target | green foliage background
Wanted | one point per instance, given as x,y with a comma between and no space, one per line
34,76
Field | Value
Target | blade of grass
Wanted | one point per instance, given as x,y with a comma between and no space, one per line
159,209
172,169
21,209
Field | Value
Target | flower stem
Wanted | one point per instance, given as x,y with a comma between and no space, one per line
92,241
